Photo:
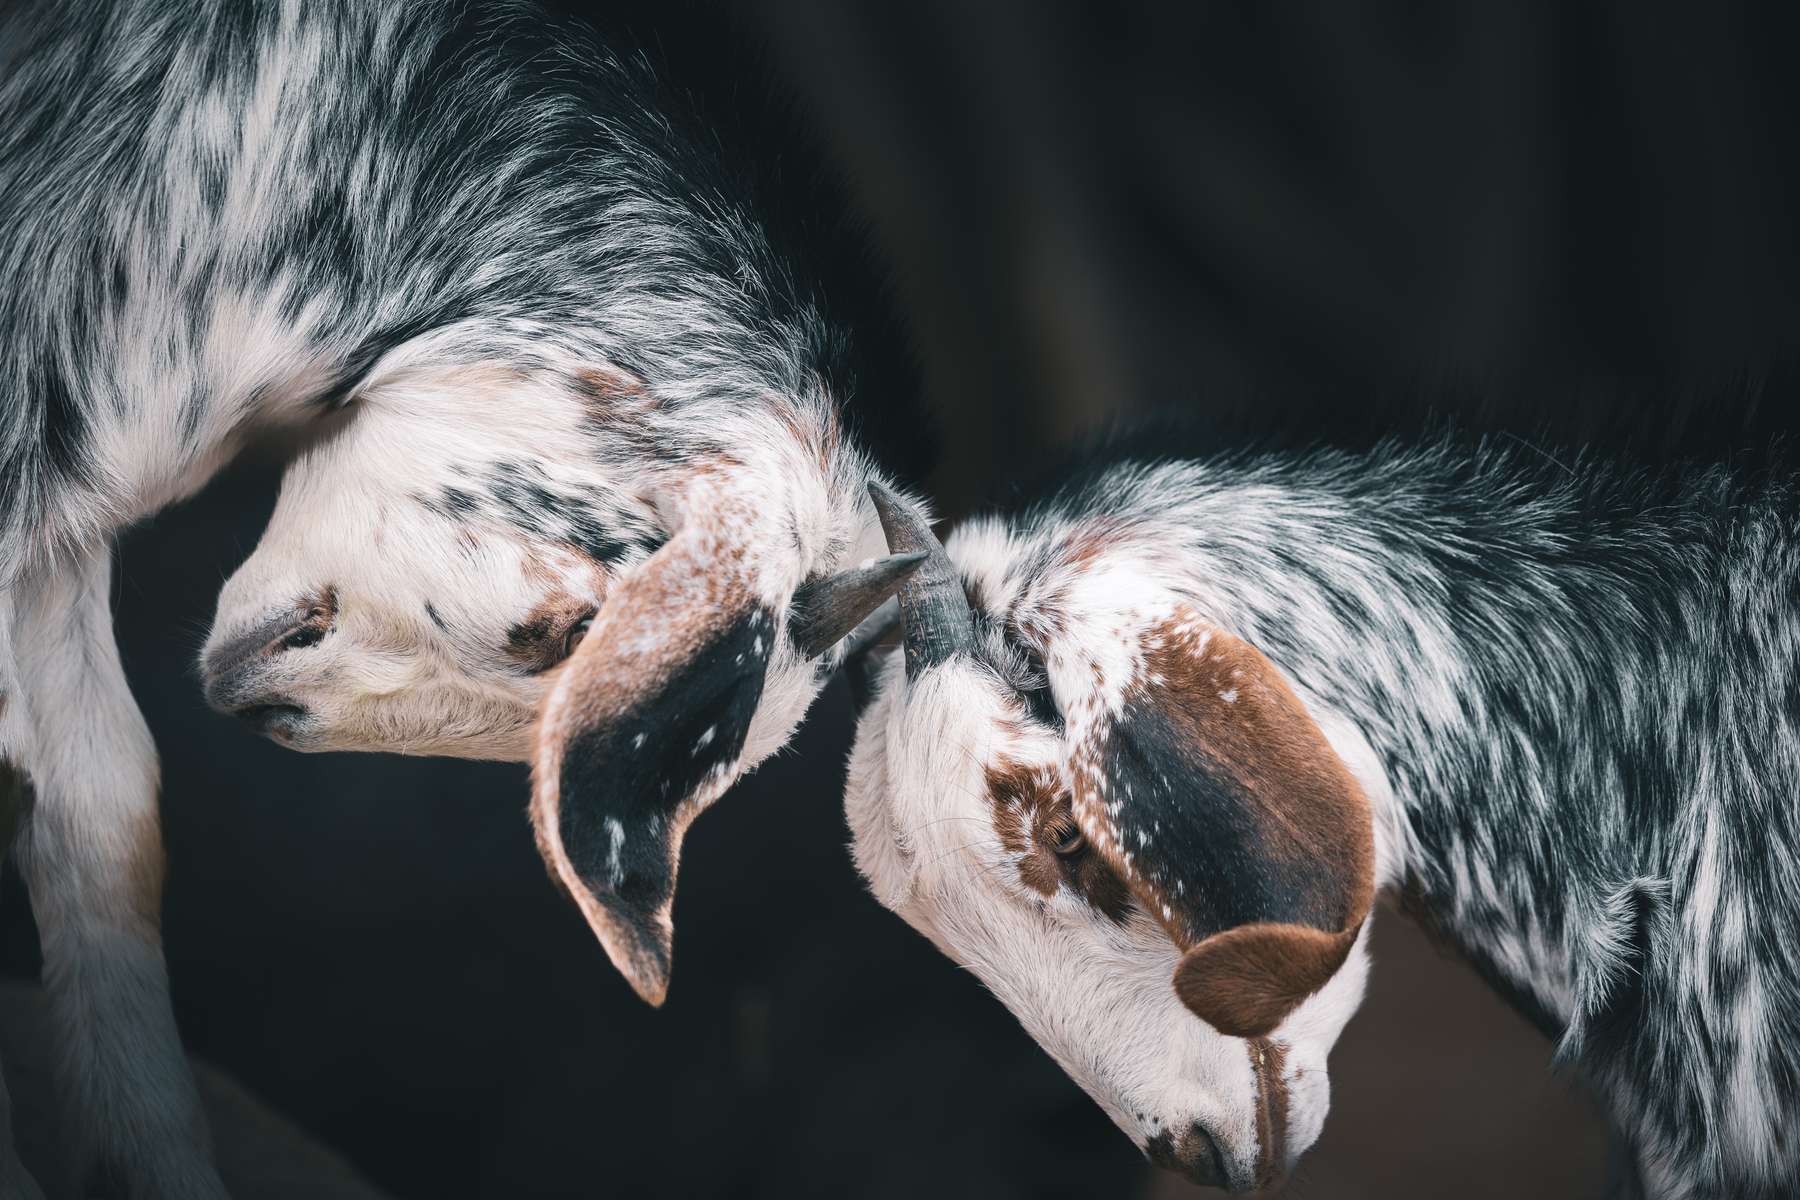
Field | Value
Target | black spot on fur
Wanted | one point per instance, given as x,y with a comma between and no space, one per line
65,422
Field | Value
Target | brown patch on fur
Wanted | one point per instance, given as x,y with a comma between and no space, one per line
611,394
1073,556
319,612
1268,1059
1032,816
536,642
321,605
1245,981
145,869
1086,544
821,441
1305,803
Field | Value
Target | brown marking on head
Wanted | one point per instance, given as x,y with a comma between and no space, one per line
321,605
820,440
1046,618
319,613
1246,785
1245,981
1245,717
1032,817
611,394
536,642
1268,1059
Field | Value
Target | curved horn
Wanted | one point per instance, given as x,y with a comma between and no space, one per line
932,603
826,610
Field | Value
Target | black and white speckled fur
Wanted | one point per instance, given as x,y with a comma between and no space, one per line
501,243
1581,687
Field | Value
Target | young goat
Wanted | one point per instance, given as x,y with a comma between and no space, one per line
551,360
1158,740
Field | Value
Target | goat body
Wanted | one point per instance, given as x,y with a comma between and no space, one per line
224,220
1568,693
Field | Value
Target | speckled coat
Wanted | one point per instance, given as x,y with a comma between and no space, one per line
1581,685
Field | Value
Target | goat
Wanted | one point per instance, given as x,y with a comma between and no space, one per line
1178,721
555,376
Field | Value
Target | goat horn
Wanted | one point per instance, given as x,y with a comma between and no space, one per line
828,609
932,604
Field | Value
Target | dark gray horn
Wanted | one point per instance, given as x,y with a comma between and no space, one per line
826,610
932,605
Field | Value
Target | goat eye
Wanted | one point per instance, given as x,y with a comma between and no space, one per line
1067,841
577,631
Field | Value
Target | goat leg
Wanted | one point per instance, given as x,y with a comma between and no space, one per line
90,849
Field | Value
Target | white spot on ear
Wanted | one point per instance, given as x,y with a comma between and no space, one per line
615,834
705,738
1229,695
758,645
637,742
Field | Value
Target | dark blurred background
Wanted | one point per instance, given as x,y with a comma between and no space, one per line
1297,222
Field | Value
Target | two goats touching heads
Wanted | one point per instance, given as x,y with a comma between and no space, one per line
1124,821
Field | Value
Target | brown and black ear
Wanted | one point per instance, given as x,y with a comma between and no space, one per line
644,728
646,724
1218,800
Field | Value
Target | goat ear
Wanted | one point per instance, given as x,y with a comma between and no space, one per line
642,731
1209,789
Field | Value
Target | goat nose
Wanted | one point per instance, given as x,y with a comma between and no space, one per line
1194,1154
229,670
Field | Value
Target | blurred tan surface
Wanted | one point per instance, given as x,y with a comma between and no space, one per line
1414,1083
261,1155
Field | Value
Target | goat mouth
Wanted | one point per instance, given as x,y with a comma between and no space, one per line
1267,1059
272,719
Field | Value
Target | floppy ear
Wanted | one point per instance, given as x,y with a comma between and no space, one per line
1218,800
646,725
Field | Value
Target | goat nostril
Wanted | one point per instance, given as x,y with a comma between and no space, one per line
301,638
1196,1155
